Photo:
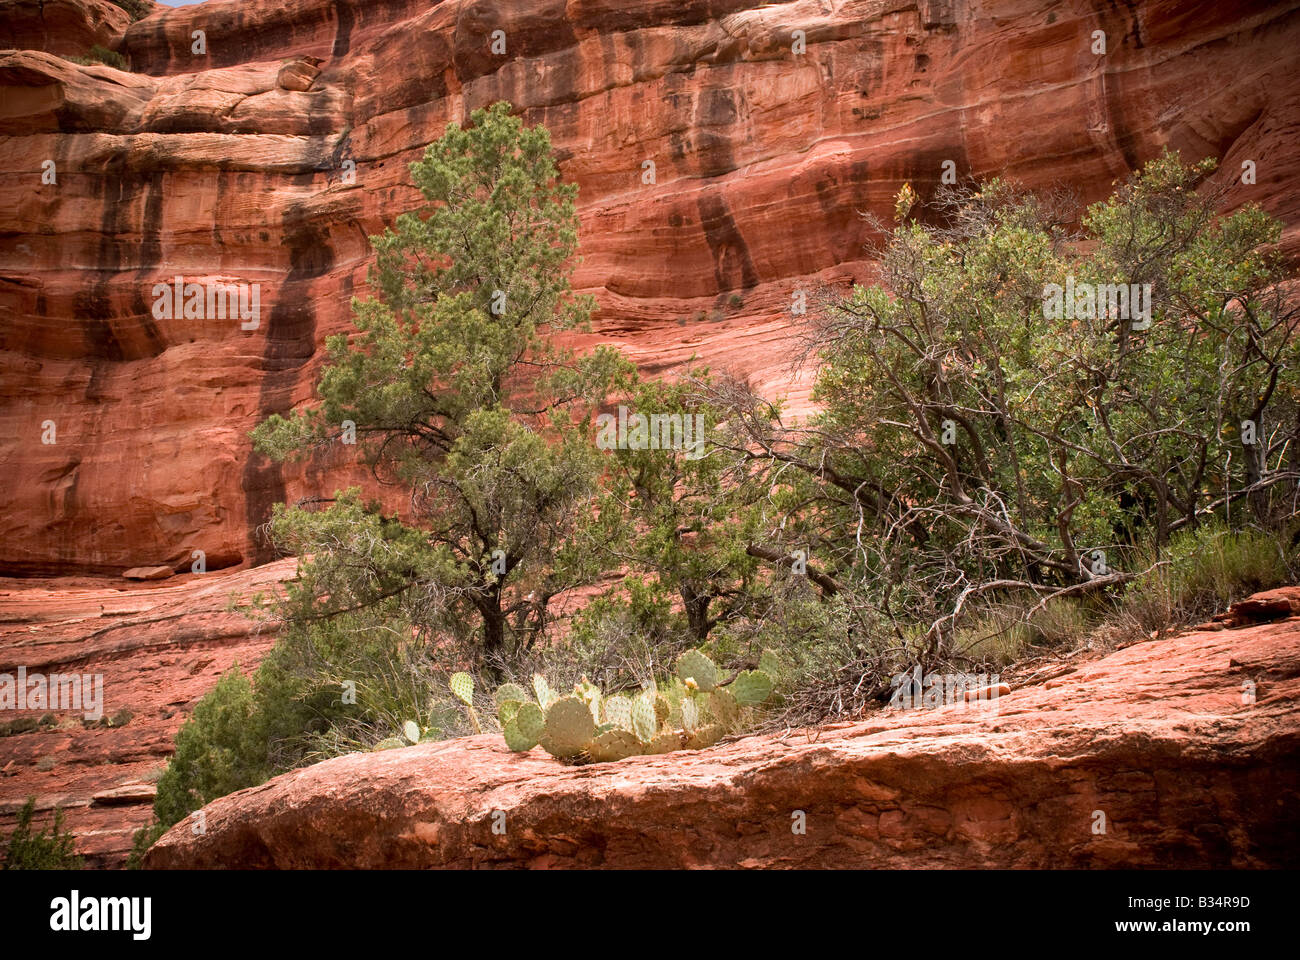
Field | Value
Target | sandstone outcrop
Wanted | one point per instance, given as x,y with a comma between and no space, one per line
160,647
230,166
1175,752
68,28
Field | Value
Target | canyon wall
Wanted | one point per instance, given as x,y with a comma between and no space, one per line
270,156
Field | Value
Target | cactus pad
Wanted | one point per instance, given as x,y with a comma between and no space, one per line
723,706
665,742
642,719
705,736
663,709
614,745
411,730
618,711
530,721
509,691
771,664
750,687
516,739
569,727
690,715
692,663
462,685
545,697
389,743
507,709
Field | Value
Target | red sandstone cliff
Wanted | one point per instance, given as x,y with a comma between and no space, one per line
229,165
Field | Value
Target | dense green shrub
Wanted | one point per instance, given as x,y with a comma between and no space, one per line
47,849
102,55
138,9
1204,570
220,749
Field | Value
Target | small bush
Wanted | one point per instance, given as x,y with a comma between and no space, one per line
220,749
1207,569
52,850
138,9
98,55
143,839
736,300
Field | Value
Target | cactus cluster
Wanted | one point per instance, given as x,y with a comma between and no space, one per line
587,727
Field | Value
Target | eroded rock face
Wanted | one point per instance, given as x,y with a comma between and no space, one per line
159,647
1188,747
221,167
68,28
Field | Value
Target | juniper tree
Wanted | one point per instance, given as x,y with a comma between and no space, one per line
977,442
461,398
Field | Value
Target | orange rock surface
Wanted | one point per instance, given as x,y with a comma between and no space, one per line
159,647
269,157
1177,752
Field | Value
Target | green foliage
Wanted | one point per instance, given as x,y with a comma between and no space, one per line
978,450
141,841
461,396
1207,569
98,55
220,749
48,849
138,9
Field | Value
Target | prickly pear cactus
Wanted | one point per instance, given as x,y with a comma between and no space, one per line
690,712
663,709
771,664
665,742
411,731
614,745
506,711
530,721
723,707
694,665
751,687
618,711
690,715
389,743
569,727
641,716
545,696
705,736
516,739
589,693
462,685
509,691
